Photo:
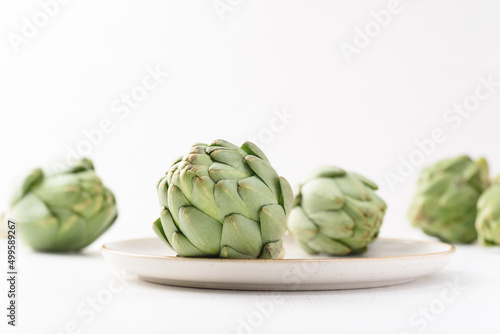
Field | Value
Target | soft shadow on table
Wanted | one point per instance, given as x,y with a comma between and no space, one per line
83,254
434,282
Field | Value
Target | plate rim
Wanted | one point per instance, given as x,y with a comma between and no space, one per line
450,251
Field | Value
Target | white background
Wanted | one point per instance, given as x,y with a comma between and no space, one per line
226,79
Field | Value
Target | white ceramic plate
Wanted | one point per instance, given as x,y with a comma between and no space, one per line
388,262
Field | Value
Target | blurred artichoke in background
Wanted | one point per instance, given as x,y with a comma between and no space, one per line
488,216
64,211
336,212
447,193
221,200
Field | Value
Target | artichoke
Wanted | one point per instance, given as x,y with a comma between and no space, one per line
447,193
488,216
64,211
336,212
224,201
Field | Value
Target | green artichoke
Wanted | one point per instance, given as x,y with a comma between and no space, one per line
224,201
488,216
336,212
447,193
64,211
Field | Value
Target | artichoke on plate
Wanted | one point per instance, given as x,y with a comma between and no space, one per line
221,200
447,193
336,212
488,216
63,211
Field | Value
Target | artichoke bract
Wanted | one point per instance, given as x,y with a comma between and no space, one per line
447,194
488,216
63,211
221,200
336,212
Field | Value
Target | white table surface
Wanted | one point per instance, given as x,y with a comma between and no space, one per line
56,291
